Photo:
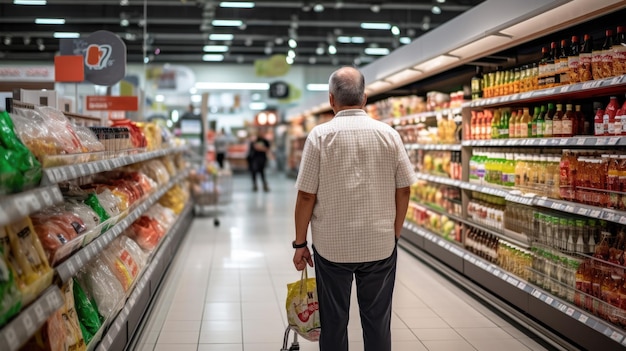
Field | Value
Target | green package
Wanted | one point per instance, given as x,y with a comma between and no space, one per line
17,155
10,297
88,317
92,201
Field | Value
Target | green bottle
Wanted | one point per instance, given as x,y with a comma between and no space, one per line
504,123
533,122
547,125
541,121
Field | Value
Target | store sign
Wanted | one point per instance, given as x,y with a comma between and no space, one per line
112,103
27,74
279,90
104,56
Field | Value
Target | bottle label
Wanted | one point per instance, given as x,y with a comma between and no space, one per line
596,64
540,128
572,68
607,63
598,128
566,127
557,128
547,129
584,67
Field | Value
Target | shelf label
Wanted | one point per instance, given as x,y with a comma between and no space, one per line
609,216
543,142
522,285
582,211
549,300
11,337
512,281
601,141
594,213
581,141
536,293
583,318
592,84
563,141
617,336
613,141
570,311
622,219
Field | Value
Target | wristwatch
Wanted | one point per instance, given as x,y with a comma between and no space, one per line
299,246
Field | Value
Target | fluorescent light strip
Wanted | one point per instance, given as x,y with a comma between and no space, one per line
317,87
29,2
357,40
66,35
221,37
257,106
372,25
436,63
215,48
406,75
405,40
237,5
377,51
213,57
232,86
49,20
226,23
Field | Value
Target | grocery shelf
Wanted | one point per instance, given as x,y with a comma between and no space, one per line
20,329
67,269
126,321
510,236
16,206
606,214
423,115
439,180
59,174
485,189
577,141
590,331
607,86
440,211
436,147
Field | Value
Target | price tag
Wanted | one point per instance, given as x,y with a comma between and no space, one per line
582,211
610,216
569,312
622,219
613,141
541,202
521,285
564,89
555,205
617,336
569,208
601,141
594,213
543,142
549,300
72,172
581,141
563,141
11,337
536,293
583,318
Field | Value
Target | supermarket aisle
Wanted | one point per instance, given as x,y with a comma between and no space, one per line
226,290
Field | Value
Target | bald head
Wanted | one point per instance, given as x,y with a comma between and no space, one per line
346,87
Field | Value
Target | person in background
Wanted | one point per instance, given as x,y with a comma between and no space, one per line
353,188
257,159
222,140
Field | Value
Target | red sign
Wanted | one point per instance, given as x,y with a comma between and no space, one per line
69,69
112,103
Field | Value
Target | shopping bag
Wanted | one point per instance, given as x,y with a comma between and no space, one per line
302,306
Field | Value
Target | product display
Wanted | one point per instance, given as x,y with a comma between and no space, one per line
10,297
19,169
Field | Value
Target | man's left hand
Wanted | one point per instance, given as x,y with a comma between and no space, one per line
301,257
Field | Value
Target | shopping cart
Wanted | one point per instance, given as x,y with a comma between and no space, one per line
211,187
295,346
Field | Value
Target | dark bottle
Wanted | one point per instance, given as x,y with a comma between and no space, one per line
573,61
586,54
606,65
541,81
477,84
561,69
619,52
552,75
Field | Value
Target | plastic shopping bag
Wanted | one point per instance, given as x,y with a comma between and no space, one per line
302,305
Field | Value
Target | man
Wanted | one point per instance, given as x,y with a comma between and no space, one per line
222,141
257,158
353,187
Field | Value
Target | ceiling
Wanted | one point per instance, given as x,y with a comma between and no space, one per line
177,30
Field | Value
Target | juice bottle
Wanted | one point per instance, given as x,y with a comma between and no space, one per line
548,123
622,182
542,175
533,173
513,124
582,123
504,123
481,125
524,122
508,171
565,180
533,122
488,116
520,164
568,122
495,124
473,132
557,125
541,121
613,184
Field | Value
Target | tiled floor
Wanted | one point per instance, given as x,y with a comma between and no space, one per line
226,290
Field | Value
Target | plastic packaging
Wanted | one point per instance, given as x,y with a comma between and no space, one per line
146,231
93,202
101,284
87,312
56,228
88,139
125,259
19,169
10,297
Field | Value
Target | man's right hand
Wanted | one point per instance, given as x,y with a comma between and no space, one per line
301,257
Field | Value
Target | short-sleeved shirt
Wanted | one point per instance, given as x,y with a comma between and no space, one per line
354,164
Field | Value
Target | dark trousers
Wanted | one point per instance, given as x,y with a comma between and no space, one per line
258,167
220,159
374,284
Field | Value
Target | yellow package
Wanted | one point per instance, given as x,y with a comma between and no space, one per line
303,307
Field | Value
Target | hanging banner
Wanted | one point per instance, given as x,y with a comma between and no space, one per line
104,56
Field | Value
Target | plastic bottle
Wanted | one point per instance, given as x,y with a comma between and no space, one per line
534,122
568,122
557,121
513,124
548,123
505,115
524,122
598,123
612,182
541,121
608,119
508,171
495,124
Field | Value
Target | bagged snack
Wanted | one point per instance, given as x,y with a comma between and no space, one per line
10,297
137,138
57,227
93,202
146,232
109,202
26,249
165,216
152,133
156,171
101,284
19,169
88,139
89,217
89,319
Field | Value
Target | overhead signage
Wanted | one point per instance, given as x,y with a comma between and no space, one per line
112,103
104,56
30,74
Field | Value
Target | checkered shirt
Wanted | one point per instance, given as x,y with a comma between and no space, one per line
354,164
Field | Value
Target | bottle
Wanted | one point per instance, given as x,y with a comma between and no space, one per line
535,77
585,58
495,124
557,125
598,123
533,122
524,122
477,84
568,122
541,121
562,65
512,124
517,80
551,73
609,116
619,52
548,125
606,65
619,119
596,62
505,115
582,123
543,63
612,181
573,60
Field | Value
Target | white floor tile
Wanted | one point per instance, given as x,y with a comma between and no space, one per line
226,290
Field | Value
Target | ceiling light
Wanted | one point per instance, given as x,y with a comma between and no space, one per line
357,40
332,49
293,44
257,106
227,23
240,59
159,98
196,98
291,53
436,10
49,20
319,50
441,1
193,91
289,60
374,25
377,86
339,4
317,87
221,37
146,60
7,41
318,7
343,39
213,57
279,41
268,50
312,60
405,40
66,35
26,40
490,41
437,62
395,30
306,8
215,48
124,22
124,2
232,86
377,51
238,5
29,2
406,75
375,8
248,42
